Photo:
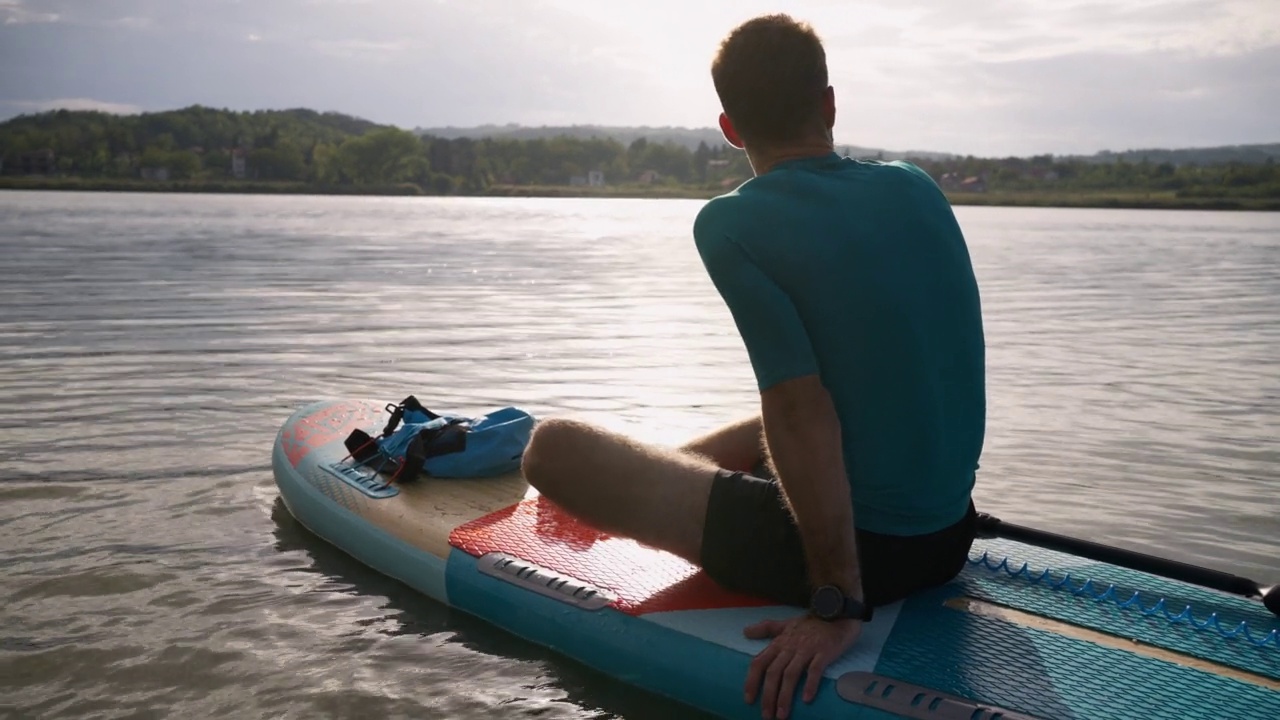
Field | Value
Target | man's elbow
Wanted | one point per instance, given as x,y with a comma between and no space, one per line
798,402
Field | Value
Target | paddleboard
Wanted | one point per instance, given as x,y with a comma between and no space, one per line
1023,632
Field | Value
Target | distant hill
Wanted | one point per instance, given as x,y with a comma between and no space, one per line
300,150
69,131
195,142
1247,154
685,137
338,121
690,137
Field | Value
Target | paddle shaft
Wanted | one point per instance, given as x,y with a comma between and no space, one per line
1164,567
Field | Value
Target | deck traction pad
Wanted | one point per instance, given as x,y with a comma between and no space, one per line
640,578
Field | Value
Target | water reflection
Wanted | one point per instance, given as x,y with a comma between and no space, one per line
151,345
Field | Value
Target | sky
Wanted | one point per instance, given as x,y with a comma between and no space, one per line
982,77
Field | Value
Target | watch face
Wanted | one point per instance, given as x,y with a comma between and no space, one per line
828,601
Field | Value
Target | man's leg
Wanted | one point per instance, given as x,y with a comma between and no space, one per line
738,446
622,486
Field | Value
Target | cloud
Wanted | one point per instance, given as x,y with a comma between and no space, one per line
15,13
375,50
1072,103
1061,76
1141,100
133,22
74,104
1003,76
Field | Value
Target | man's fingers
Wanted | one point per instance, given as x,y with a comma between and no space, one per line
817,666
772,678
763,629
790,678
755,672
800,650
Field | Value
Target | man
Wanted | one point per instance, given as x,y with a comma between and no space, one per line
852,288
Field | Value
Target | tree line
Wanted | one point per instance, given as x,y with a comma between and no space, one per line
331,149
1044,172
334,149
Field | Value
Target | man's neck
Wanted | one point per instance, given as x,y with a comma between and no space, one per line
764,159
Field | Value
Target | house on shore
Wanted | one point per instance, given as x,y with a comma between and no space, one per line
239,163
593,178
961,183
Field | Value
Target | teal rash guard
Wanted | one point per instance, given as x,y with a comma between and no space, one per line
858,271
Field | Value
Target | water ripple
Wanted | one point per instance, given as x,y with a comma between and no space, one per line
151,345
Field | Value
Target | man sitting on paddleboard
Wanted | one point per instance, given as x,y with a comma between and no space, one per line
851,286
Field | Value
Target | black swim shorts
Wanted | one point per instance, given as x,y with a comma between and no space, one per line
751,545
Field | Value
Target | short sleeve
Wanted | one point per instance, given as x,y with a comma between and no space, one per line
914,170
775,337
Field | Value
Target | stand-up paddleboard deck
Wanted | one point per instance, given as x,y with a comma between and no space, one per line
1022,633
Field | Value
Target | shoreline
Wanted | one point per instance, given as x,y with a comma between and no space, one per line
1119,199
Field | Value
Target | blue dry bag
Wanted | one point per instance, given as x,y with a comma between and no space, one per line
444,445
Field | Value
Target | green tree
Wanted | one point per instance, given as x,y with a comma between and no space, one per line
700,158
381,156
442,184
154,157
183,164
325,165
217,162
282,162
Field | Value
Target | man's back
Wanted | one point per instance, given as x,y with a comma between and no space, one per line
858,271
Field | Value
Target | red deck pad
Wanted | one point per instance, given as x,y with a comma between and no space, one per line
643,580
326,424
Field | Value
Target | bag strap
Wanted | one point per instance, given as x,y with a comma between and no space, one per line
433,442
397,413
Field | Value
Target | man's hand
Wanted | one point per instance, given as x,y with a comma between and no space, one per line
800,645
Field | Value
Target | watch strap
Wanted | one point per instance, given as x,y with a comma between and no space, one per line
857,609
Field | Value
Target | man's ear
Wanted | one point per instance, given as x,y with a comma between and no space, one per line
730,133
829,106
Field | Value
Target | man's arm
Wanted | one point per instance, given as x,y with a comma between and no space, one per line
802,431
801,427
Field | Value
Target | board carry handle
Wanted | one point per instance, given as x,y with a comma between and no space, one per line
989,526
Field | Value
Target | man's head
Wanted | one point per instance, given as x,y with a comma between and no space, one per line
771,76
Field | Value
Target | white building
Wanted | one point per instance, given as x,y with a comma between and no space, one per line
238,157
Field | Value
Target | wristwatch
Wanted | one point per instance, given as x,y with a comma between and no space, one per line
830,603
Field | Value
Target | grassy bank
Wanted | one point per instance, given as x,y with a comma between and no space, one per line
1114,199
605,191
1098,199
246,187
1091,199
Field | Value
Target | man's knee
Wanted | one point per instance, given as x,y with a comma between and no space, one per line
548,456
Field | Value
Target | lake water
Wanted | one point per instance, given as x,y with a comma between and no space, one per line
150,346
